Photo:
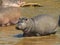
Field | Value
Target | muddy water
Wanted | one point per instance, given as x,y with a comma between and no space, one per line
10,36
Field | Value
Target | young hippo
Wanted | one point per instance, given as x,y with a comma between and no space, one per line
39,25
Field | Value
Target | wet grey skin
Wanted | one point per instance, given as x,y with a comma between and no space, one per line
37,26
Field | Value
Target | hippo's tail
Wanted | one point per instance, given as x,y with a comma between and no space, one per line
59,21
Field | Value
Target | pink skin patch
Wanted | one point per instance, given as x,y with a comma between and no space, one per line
18,4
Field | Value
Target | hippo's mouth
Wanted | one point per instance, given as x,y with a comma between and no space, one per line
18,28
26,30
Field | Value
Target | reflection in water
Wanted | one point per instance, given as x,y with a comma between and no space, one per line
18,35
45,40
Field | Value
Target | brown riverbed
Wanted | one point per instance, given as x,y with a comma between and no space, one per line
9,35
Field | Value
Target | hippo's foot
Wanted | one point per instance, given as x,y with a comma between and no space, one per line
3,25
37,34
28,34
7,24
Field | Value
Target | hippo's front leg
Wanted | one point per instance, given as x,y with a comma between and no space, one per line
28,34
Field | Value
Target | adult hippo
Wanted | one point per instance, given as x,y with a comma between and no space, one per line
9,15
11,3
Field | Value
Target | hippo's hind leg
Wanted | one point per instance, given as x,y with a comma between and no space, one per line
7,24
53,32
38,34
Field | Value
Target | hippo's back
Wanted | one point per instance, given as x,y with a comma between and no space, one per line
44,24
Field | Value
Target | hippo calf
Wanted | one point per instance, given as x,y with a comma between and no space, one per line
37,26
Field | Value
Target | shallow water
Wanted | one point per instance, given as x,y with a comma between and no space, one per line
10,36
